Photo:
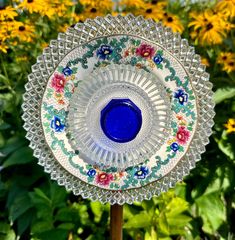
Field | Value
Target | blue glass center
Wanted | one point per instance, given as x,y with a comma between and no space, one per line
121,120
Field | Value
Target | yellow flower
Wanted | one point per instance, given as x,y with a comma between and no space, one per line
205,61
63,28
44,8
227,7
229,66
208,28
89,12
23,31
44,45
59,7
132,3
7,13
101,5
32,6
150,11
172,21
230,125
225,57
227,60
21,59
3,46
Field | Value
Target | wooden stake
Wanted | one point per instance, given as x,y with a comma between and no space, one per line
116,222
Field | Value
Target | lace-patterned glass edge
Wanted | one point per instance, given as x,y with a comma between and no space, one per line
106,26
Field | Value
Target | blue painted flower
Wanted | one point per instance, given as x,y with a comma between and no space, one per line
182,96
158,59
67,71
57,125
142,172
174,146
104,51
91,172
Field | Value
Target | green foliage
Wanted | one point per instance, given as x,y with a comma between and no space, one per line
34,207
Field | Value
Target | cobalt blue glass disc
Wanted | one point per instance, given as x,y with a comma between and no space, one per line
121,120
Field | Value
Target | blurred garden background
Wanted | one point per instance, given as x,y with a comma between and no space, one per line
34,207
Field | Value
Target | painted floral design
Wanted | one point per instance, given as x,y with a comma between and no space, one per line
142,172
91,172
145,51
182,135
58,82
158,59
182,96
57,125
140,55
174,146
104,178
104,51
67,71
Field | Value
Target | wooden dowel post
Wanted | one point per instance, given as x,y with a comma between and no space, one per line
116,222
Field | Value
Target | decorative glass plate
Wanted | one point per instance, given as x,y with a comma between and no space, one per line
118,61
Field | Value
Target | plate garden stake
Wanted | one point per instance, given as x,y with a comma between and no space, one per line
118,109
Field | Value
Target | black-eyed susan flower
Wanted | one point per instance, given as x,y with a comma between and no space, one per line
3,45
102,5
227,60
227,7
89,12
7,13
150,11
23,31
230,125
229,67
205,61
32,6
208,29
132,3
59,8
225,57
172,21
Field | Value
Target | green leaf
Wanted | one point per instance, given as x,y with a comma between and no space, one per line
67,226
223,93
61,234
211,208
13,144
150,234
140,220
42,195
163,224
97,209
175,207
20,205
4,227
21,156
25,220
42,226
10,235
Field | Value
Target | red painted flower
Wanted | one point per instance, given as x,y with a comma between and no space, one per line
145,50
58,82
182,135
104,178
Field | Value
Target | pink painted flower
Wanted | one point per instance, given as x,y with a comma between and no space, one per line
58,82
104,178
182,135
145,50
